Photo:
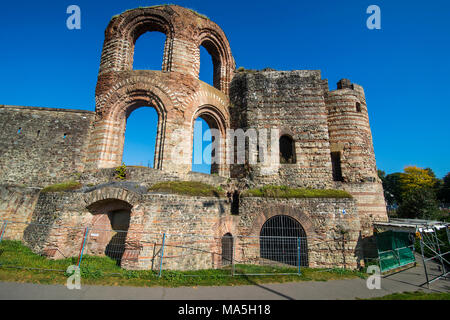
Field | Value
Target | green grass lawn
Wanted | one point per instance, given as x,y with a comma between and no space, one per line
104,271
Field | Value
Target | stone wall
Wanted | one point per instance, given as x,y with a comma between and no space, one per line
41,145
333,237
17,205
194,227
292,102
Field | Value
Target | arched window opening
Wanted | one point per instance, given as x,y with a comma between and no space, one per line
149,51
210,72
206,73
201,153
284,240
336,166
206,145
140,138
358,107
227,249
287,150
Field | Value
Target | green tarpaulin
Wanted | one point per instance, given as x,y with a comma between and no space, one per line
395,249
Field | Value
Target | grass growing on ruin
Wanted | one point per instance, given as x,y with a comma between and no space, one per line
271,191
19,264
190,188
65,186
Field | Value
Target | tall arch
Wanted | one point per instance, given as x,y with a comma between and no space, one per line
283,239
122,33
223,63
217,121
107,142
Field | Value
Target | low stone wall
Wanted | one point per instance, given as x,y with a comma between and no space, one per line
17,205
194,227
323,221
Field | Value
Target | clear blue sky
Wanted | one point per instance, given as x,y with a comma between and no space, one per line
404,67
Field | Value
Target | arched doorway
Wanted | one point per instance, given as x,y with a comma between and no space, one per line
282,238
227,249
109,228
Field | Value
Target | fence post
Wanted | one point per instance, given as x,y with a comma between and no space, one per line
3,230
299,257
162,255
232,255
83,245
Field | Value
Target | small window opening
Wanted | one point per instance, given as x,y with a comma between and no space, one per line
287,150
358,107
336,166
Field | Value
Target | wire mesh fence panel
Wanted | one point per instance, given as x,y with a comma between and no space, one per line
196,254
270,255
100,248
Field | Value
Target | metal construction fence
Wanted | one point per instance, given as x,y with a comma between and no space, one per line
42,246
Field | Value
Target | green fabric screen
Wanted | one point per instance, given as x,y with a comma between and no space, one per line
394,249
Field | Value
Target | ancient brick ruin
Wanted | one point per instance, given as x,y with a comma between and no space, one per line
324,137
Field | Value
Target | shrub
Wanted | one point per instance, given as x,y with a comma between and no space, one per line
121,172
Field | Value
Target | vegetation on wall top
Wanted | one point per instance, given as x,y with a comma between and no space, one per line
271,191
64,186
190,188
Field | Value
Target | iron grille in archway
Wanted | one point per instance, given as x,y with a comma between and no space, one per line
282,238
227,249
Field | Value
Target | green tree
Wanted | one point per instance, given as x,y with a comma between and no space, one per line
418,203
392,188
444,190
418,193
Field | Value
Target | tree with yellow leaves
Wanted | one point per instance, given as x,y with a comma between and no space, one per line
418,194
416,178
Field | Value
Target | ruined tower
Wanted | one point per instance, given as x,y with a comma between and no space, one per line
175,91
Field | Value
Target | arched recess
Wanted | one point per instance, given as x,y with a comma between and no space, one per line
283,239
109,228
217,123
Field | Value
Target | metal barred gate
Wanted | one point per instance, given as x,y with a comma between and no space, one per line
283,239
